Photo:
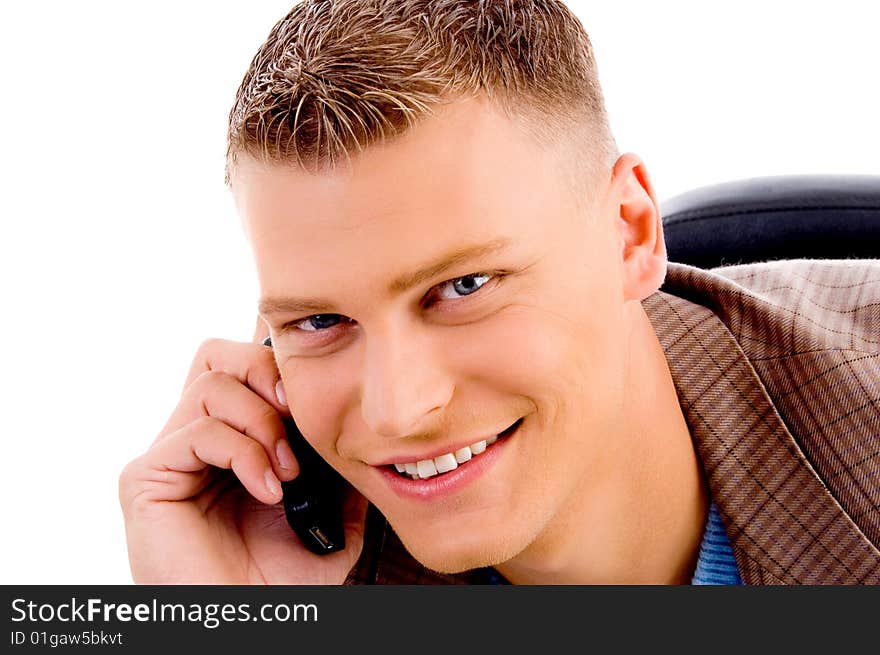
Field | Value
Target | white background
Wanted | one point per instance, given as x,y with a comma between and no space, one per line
120,249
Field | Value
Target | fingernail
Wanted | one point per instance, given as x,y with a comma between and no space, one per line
279,391
285,455
273,485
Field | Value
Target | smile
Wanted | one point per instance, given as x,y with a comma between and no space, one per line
428,468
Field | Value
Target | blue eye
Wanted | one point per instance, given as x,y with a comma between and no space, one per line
318,322
464,286
460,286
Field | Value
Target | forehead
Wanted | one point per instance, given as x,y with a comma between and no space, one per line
467,149
468,174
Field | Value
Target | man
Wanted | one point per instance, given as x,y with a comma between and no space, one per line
460,276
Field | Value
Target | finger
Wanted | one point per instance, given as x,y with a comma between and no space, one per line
174,469
261,331
354,512
221,396
252,364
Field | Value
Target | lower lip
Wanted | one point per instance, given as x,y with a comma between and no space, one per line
447,484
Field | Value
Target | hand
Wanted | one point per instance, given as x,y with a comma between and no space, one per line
202,504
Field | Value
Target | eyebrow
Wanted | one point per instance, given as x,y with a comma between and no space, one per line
270,306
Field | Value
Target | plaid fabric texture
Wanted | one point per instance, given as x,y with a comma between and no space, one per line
777,370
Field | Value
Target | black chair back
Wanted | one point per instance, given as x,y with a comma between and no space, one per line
768,218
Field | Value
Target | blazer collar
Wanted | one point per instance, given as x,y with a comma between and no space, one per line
783,523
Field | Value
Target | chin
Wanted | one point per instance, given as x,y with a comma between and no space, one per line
460,552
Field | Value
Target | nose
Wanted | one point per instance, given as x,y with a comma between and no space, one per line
403,381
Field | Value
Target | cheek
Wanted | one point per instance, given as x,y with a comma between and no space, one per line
316,395
543,353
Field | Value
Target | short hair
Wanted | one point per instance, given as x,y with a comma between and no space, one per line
335,76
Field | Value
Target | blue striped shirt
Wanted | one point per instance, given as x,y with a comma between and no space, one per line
715,563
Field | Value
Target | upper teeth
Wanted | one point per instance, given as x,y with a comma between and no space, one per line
425,468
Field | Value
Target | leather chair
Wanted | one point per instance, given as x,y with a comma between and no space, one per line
768,218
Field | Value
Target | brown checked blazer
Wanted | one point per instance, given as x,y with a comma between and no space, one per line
777,369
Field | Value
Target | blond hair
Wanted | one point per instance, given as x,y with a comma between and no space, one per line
335,76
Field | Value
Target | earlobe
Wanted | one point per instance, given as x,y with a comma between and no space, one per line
643,251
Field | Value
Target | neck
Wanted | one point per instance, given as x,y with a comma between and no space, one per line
642,523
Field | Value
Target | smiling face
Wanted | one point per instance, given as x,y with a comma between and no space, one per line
448,285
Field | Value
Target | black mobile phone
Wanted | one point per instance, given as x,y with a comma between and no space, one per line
313,499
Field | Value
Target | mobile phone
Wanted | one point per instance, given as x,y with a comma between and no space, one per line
313,499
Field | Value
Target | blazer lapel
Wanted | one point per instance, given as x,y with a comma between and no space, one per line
783,523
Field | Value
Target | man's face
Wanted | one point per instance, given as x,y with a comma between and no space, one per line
390,366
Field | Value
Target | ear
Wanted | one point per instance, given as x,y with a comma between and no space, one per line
642,249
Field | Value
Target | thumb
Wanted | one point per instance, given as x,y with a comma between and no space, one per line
354,515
